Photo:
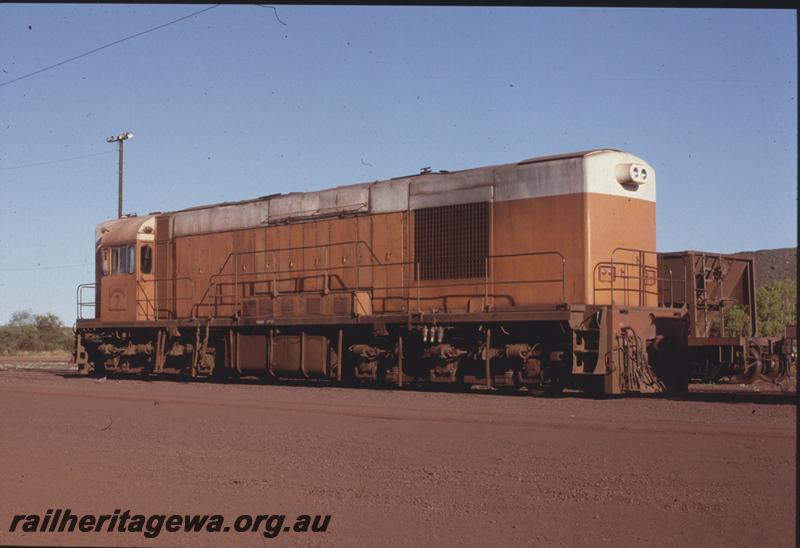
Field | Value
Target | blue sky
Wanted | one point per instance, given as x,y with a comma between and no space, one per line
232,104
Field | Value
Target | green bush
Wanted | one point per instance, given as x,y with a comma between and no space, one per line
776,307
28,332
776,310
737,322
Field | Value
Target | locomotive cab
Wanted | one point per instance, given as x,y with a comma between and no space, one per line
124,274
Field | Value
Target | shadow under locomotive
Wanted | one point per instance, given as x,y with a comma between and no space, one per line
696,393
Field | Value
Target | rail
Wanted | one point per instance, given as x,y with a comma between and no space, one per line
226,290
674,282
635,279
151,308
81,303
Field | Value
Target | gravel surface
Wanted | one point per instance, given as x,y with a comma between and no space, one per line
398,468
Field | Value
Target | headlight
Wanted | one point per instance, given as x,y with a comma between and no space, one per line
631,174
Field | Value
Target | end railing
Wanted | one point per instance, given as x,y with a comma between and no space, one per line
83,303
637,278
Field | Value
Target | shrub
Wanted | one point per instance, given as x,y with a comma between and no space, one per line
26,332
776,307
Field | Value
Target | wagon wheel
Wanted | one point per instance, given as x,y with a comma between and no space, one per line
773,370
752,367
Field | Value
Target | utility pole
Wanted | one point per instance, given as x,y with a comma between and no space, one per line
121,138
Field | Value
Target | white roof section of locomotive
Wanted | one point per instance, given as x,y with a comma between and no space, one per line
590,172
219,218
581,172
124,230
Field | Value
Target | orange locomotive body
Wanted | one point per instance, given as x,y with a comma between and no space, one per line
541,273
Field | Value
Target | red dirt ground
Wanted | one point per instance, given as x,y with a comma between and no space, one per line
398,468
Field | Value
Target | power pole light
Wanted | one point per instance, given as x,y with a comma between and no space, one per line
121,138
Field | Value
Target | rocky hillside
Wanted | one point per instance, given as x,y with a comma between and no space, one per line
773,265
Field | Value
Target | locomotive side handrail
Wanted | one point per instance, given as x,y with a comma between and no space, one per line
214,283
154,303
218,295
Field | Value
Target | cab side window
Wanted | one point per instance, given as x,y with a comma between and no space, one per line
123,260
146,260
114,260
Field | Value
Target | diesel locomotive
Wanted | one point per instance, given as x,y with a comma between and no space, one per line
540,274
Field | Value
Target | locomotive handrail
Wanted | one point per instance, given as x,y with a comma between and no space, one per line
321,273
671,279
147,302
642,290
539,253
303,248
236,255
81,304
327,273
213,279
640,264
154,303
642,269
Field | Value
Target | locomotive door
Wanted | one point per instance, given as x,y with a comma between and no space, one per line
145,281
164,302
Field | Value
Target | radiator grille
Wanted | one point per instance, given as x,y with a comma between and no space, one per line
451,242
162,228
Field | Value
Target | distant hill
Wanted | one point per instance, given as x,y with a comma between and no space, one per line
774,265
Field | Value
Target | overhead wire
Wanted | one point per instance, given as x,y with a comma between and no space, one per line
114,43
59,161
74,58
57,267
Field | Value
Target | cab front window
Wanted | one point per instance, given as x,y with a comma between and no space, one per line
131,259
104,261
123,263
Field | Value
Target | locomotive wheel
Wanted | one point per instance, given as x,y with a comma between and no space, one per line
752,368
98,369
97,372
552,386
679,378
